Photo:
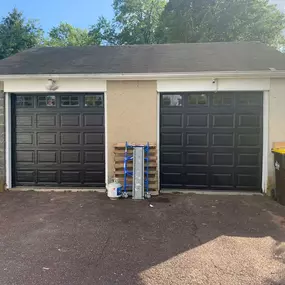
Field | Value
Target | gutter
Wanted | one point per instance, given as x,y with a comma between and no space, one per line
150,76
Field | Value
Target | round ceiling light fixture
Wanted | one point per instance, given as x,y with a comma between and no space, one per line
52,85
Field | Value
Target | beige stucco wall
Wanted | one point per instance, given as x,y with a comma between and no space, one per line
131,114
276,121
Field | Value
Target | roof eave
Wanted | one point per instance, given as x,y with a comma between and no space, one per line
151,76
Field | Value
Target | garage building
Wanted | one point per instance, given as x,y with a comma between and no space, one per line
212,109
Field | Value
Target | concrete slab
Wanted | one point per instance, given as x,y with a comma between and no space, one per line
84,238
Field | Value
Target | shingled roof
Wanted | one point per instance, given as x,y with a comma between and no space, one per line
167,58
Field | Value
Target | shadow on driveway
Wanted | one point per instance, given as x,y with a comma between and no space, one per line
84,238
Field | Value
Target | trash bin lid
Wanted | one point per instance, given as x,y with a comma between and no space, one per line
279,150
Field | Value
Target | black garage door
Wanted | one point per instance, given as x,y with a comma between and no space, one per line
58,140
211,140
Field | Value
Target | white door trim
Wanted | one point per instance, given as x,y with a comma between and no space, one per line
158,139
265,141
8,140
106,137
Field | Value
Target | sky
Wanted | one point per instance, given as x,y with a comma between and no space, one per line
280,4
80,13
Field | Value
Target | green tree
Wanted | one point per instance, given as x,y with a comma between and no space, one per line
104,31
67,35
137,20
18,34
221,20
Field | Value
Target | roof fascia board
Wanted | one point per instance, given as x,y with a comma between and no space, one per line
150,76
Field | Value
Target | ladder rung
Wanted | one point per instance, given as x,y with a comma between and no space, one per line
120,172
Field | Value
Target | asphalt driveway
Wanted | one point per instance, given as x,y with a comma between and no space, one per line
84,238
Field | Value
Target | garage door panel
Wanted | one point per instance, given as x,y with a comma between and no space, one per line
70,120
197,176
249,99
98,167
221,141
25,156
172,179
26,139
172,139
25,120
222,159
196,168
222,99
172,121
94,157
70,138
197,158
249,140
197,140
222,180
59,145
67,176
47,157
25,176
249,159
223,120
167,168
46,120
200,180
172,175
93,139
93,177
70,157
92,120
172,157
197,120
47,176
247,180
256,132
46,138
248,121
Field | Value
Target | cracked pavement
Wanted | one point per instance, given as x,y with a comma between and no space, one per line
84,238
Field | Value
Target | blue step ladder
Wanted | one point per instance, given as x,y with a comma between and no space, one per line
133,174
